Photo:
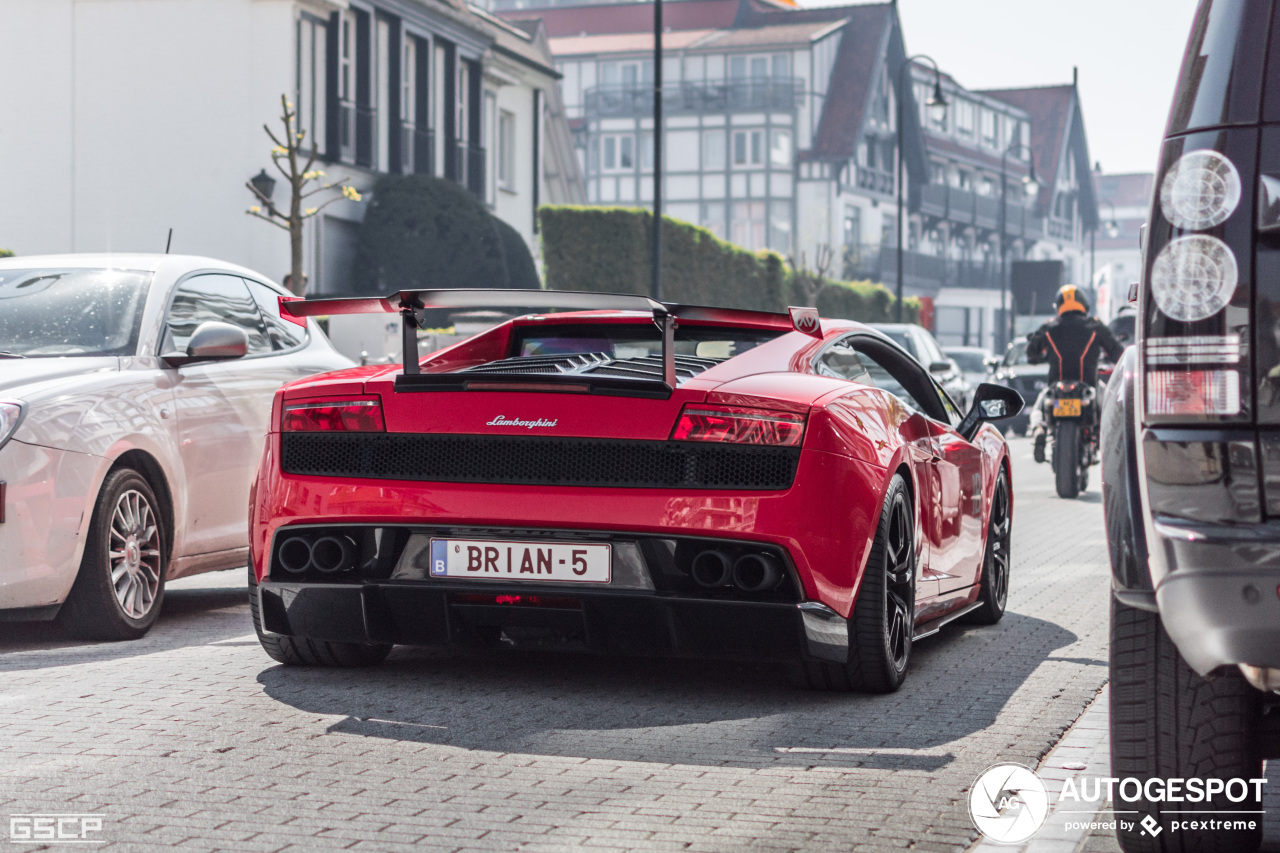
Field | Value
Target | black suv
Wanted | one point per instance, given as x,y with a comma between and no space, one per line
1191,456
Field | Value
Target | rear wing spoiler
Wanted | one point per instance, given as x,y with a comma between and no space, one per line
412,305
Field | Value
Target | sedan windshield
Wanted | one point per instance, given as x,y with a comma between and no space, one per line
56,312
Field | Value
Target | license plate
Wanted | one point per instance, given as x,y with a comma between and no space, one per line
1066,408
494,559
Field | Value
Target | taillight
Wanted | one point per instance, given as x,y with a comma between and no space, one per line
739,426
1193,392
333,416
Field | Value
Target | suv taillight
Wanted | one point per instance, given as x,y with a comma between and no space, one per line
333,416
739,426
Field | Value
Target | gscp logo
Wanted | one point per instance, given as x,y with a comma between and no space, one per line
56,828
1008,803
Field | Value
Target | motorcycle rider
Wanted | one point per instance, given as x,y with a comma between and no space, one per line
1071,343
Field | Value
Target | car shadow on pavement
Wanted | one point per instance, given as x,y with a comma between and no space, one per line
687,712
190,617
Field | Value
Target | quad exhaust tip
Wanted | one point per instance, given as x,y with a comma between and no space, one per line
326,554
713,569
295,554
756,573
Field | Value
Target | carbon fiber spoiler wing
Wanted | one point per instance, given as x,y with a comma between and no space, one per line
411,305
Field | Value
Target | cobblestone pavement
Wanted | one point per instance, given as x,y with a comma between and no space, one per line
193,739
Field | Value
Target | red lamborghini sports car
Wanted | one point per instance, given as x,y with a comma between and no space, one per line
635,477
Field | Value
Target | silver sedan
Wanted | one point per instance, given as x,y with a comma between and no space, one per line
134,396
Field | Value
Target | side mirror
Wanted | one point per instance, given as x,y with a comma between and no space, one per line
212,341
991,402
940,367
1133,292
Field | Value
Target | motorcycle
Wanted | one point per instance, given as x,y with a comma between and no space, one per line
1071,421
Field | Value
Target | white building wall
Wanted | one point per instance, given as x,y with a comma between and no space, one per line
164,104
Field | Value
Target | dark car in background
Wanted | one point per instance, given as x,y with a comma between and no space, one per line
1027,379
1191,452
924,347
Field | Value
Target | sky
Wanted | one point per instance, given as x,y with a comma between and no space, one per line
1128,53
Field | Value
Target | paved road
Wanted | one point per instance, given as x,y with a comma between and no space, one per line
193,739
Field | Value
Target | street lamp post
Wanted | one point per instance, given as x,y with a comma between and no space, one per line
656,286
937,104
1030,186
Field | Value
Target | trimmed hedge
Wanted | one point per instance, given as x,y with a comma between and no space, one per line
864,301
425,232
609,249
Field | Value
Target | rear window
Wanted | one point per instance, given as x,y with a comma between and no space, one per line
969,361
1221,78
625,341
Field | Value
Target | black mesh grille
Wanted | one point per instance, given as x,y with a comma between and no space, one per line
538,461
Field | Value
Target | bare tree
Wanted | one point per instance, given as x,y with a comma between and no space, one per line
304,182
810,281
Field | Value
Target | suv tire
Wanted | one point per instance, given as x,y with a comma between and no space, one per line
1169,722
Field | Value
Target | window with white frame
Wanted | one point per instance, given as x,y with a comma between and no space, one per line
713,150
646,151
617,152
780,149
507,150
990,121
310,91
749,225
347,88
748,147
408,102
713,217
964,121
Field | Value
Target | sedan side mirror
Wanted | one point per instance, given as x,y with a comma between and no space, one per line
991,402
940,367
212,341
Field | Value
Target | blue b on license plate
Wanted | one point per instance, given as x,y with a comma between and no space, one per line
494,559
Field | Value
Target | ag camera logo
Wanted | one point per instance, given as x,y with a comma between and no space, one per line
1008,803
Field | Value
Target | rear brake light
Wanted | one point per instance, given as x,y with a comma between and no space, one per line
1193,392
739,426
339,416
556,602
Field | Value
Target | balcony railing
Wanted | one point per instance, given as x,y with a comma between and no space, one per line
767,93
968,208
920,271
874,180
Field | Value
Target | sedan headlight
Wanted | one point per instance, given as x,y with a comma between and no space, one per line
10,414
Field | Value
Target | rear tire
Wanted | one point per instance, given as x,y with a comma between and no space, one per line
1169,722
1066,458
993,589
883,619
294,651
120,586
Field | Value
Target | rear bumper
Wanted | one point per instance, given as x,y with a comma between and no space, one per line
1220,600
641,624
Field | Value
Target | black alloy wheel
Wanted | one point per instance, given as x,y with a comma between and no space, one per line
993,589
882,625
